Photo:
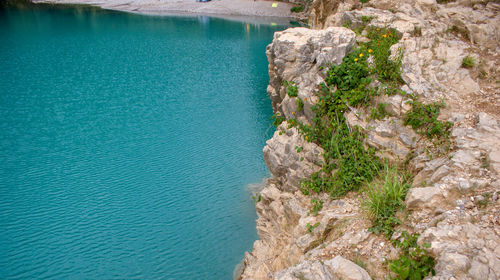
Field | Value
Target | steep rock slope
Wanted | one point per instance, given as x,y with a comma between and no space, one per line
453,202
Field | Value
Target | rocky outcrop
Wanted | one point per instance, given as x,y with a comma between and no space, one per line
297,55
453,202
336,268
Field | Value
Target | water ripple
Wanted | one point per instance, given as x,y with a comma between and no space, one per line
126,144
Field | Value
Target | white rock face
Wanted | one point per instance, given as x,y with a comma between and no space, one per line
296,55
290,158
453,201
336,268
345,269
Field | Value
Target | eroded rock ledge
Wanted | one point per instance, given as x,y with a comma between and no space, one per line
453,202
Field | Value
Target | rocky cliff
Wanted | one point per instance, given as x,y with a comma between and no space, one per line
453,201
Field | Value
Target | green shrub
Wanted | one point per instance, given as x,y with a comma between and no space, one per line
310,228
460,31
277,119
414,262
367,19
381,40
256,198
384,198
297,9
379,112
347,163
317,206
300,104
468,62
291,89
364,1
423,119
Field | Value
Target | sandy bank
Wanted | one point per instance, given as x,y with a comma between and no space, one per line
229,8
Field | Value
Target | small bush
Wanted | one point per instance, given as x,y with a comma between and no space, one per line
256,198
468,62
414,262
384,198
310,228
291,89
423,119
297,9
381,40
300,104
460,31
317,206
366,19
364,1
347,162
379,112
277,119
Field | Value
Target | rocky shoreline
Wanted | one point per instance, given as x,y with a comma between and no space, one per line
453,202
221,8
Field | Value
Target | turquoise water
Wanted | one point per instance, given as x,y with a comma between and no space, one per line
127,143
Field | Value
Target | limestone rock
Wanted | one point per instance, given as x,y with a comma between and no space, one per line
345,269
296,55
336,268
427,197
290,158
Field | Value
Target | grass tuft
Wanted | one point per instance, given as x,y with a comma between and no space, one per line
384,198
297,9
468,62
317,206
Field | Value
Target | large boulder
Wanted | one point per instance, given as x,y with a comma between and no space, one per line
297,55
336,268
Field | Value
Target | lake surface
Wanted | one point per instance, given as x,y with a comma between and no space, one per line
127,143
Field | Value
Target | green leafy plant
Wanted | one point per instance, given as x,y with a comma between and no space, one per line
423,119
256,198
367,19
310,228
277,119
299,276
364,1
299,149
381,40
347,163
317,206
291,89
297,9
384,197
300,104
460,31
414,263
347,24
379,112
468,62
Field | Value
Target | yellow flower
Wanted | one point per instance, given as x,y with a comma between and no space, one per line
307,138
293,113
356,59
360,55
385,35
378,29
370,50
